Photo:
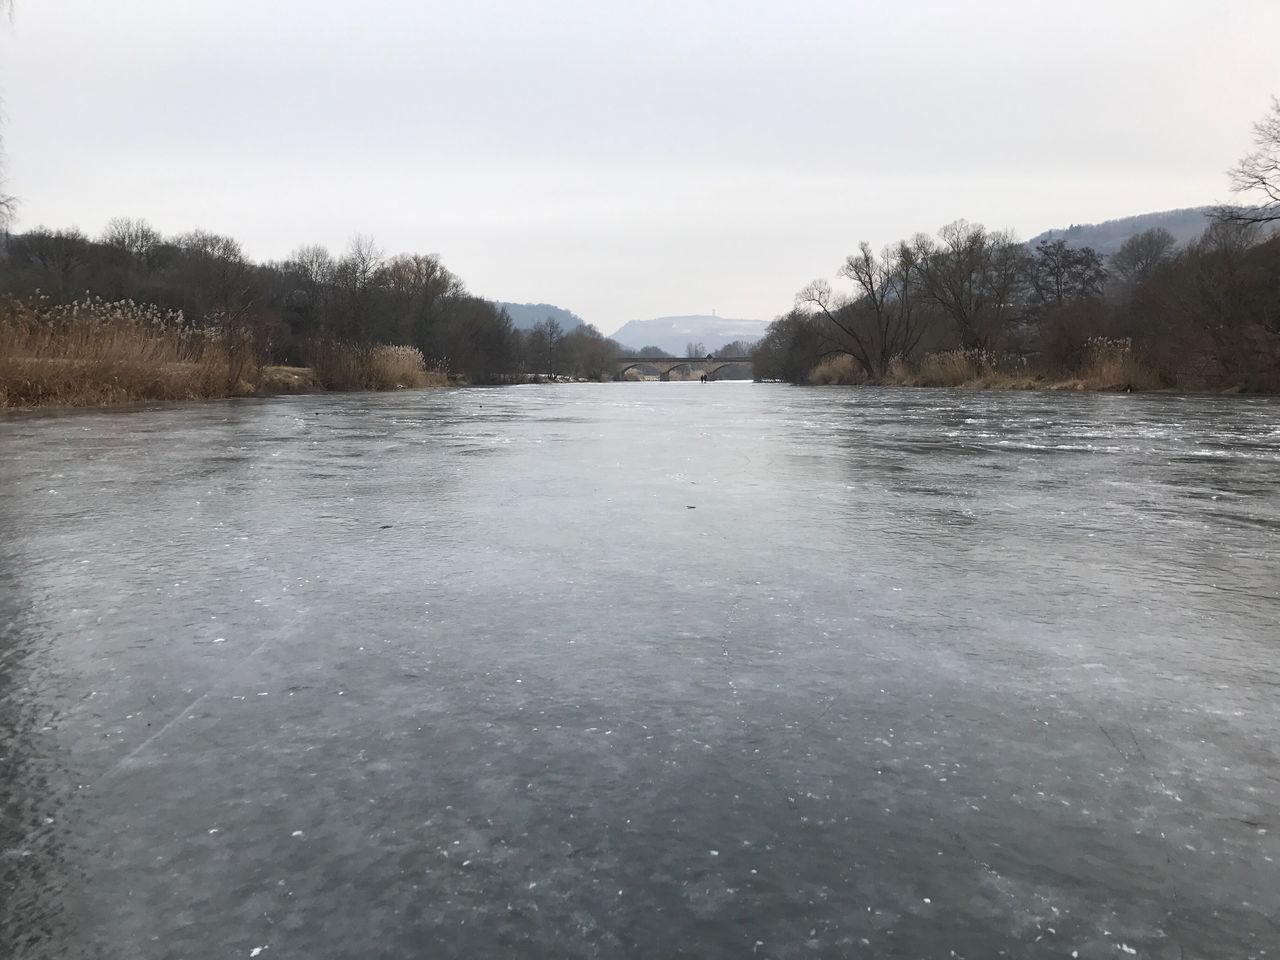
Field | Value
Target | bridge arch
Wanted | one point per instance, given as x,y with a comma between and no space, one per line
712,371
632,366
709,365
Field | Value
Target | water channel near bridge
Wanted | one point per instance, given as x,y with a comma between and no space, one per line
642,670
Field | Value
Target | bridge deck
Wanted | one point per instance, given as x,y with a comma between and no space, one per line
683,360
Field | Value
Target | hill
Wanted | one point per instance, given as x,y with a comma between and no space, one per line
1186,225
673,334
526,316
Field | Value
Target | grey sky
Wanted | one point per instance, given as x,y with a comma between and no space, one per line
626,160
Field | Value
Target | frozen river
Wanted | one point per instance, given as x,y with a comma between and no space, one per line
642,670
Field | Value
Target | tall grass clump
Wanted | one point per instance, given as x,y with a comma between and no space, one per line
1106,364
340,365
95,352
399,368
973,368
955,368
837,369
1109,364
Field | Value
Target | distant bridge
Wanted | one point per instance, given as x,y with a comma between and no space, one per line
708,365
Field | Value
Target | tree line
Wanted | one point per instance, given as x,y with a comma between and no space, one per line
281,312
1206,314
1202,315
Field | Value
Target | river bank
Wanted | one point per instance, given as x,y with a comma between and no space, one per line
27,384
1106,367
92,354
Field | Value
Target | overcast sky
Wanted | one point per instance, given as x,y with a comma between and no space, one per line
626,160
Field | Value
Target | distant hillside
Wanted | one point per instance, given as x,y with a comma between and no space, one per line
526,316
673,334
1185,225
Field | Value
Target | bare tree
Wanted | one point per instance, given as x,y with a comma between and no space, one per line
1060,273
1141,254
135,237
57,257
819,295
695,350
221,277
219,271
140,252
7,202
1216,293
423,290
887,300
735,348
791,347
974,275
313,264
357,277
1258,174
545,341
310,273
882,320
589,353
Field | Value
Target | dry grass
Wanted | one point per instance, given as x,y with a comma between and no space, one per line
899,372
397,368
838,369
282,380
949,368
1111,365
92,352
349,366
1108,365
957,368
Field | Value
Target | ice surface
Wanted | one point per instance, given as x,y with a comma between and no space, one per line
925,673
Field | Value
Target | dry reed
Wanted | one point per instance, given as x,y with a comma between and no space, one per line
93,352
1108,365
348,366
837,369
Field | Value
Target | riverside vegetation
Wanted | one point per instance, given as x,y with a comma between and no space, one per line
92,352
974,307
133,315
